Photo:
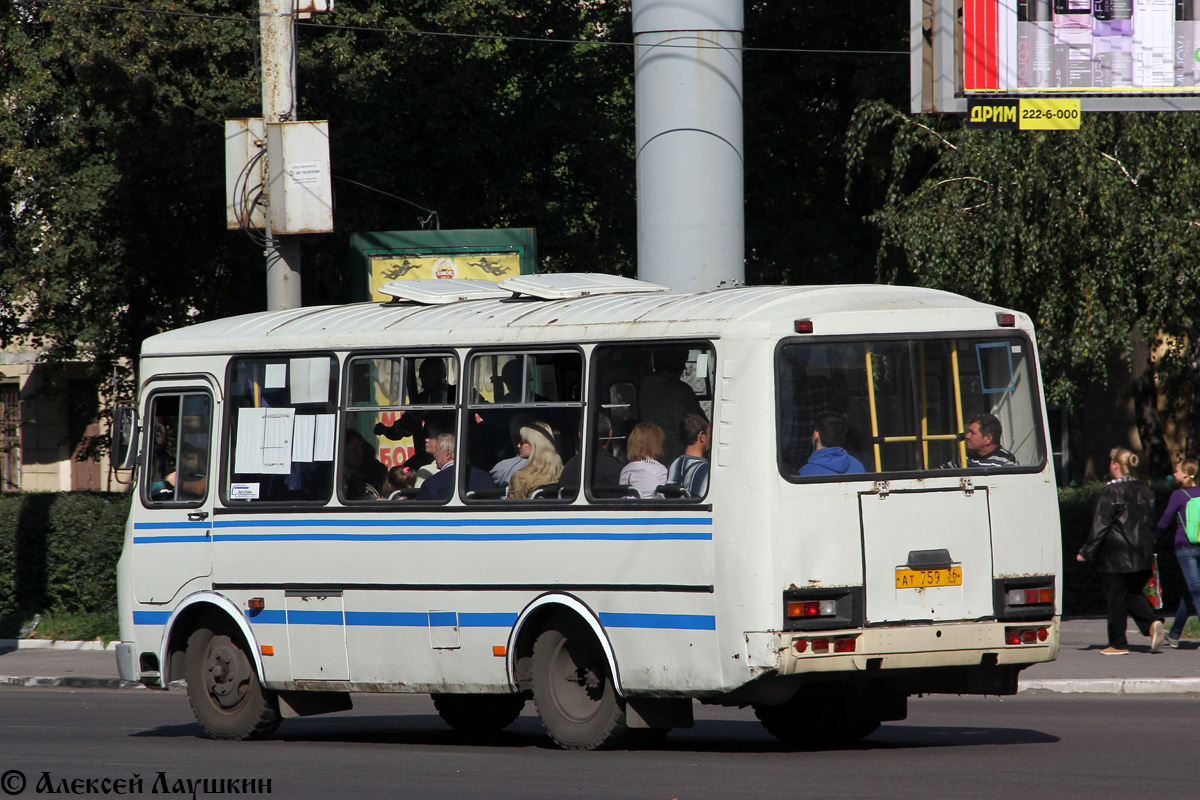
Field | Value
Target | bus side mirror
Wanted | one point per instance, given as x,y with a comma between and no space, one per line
124,448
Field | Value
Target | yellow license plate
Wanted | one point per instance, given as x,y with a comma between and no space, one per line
921,578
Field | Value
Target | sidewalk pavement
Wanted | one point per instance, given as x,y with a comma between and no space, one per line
1080,669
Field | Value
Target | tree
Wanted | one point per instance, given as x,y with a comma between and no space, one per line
1092,233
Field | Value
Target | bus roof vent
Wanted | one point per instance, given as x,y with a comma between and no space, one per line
565,285
438,291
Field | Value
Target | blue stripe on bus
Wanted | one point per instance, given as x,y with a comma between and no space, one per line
597,536
687,622
145,526
460,522
170,539
315,617
418,619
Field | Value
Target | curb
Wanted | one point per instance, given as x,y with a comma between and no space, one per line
1113,686
69,683
51,644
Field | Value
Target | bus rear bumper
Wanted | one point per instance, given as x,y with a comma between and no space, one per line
907,647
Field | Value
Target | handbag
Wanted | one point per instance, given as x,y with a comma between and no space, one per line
1153,588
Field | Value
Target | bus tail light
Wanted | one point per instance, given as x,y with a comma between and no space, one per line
1017,636
1041,595
825,644
1024,598
822,609
799,609
804,326
1006,319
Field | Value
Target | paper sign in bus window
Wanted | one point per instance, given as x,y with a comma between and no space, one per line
310,380
275,376
264,441
312,438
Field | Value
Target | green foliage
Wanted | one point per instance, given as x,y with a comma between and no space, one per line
1092,233
112,162
79,626
59,552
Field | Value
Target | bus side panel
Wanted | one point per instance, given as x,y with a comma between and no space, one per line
400,600
1018,511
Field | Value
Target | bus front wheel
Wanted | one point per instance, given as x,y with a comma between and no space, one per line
224,690
574,691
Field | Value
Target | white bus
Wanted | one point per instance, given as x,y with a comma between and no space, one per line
267,563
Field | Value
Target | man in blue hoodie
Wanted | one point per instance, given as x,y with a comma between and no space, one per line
829,457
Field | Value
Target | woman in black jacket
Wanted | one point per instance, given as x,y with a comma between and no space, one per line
1121,544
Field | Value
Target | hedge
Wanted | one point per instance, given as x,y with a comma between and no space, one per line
59,551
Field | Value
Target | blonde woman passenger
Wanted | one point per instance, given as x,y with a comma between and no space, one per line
1187,553
645,470
1121,545
545,464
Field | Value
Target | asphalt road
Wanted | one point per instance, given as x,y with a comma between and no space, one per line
1030,746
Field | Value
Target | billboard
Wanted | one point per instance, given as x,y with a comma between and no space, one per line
1112,54
491,254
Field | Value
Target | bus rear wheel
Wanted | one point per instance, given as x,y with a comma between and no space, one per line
223,688
478,714
824,718
574,690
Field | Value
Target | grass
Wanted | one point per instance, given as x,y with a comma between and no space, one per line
78,626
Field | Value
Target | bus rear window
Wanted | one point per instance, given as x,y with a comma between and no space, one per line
895,405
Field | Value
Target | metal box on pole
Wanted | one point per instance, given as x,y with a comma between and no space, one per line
245,176
298,181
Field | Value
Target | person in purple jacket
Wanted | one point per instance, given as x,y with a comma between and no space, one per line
1186,553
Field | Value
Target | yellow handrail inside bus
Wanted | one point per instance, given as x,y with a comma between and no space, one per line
874,417
924,407
958,411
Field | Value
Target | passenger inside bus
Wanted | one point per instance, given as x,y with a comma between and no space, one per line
401,483
664,398
441,485
504,469
983,444
606,468
690,471
829,457
363,475
545,465
645,471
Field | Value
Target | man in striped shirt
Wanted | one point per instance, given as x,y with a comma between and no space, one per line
983,443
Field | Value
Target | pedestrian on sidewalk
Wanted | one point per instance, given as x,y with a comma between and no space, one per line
1186,552
1121,545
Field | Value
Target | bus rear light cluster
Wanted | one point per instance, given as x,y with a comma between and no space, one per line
807,609
1025,598
825,644
1017,636
1040,595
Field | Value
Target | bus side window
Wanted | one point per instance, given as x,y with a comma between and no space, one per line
650,396
395,404
282,428
532,397
178,453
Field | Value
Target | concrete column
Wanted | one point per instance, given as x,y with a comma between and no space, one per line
688,95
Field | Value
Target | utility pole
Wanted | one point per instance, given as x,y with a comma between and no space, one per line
278,30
